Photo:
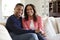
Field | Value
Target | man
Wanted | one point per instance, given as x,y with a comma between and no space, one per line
14,25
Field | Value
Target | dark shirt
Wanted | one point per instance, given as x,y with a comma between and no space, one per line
15,25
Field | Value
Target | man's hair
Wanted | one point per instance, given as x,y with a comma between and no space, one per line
19,4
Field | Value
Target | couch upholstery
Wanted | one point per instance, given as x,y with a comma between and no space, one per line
52,28
4,35
58,24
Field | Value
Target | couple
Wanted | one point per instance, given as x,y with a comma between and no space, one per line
27,28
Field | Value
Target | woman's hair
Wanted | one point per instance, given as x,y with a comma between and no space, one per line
34,14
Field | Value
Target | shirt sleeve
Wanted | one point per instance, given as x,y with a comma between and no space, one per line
40,25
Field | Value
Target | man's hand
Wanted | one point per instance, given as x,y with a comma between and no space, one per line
37,31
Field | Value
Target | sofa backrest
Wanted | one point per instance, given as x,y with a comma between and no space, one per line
58,23
49,29
54,23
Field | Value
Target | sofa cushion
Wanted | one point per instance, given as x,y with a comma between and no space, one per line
58,23
50,32
3,23
54,24
57,37
4,35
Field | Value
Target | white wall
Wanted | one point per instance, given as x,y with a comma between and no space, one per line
1,17
23,2
0,10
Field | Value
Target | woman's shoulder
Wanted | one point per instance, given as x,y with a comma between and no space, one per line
38,17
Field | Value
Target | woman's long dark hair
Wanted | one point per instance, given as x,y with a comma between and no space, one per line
26,15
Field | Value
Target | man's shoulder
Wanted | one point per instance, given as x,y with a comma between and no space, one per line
12,16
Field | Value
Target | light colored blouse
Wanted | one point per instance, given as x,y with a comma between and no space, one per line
32,25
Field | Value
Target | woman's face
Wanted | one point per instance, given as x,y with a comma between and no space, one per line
30,11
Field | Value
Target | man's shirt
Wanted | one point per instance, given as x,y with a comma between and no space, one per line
15,25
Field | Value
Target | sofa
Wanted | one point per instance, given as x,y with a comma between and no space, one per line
51,27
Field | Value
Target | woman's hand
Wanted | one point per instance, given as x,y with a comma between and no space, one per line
44,34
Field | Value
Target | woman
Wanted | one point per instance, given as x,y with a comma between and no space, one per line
31,21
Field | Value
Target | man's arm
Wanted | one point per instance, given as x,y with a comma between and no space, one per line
11,25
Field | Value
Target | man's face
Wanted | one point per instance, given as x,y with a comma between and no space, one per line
18,11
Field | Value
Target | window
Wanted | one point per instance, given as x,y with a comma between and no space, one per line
54,8
8,7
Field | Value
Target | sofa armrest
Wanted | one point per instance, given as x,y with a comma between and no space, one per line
4,35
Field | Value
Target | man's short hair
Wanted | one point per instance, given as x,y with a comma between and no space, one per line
19,4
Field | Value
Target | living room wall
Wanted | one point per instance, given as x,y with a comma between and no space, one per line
0,10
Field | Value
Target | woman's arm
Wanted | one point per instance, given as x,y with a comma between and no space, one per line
40,25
